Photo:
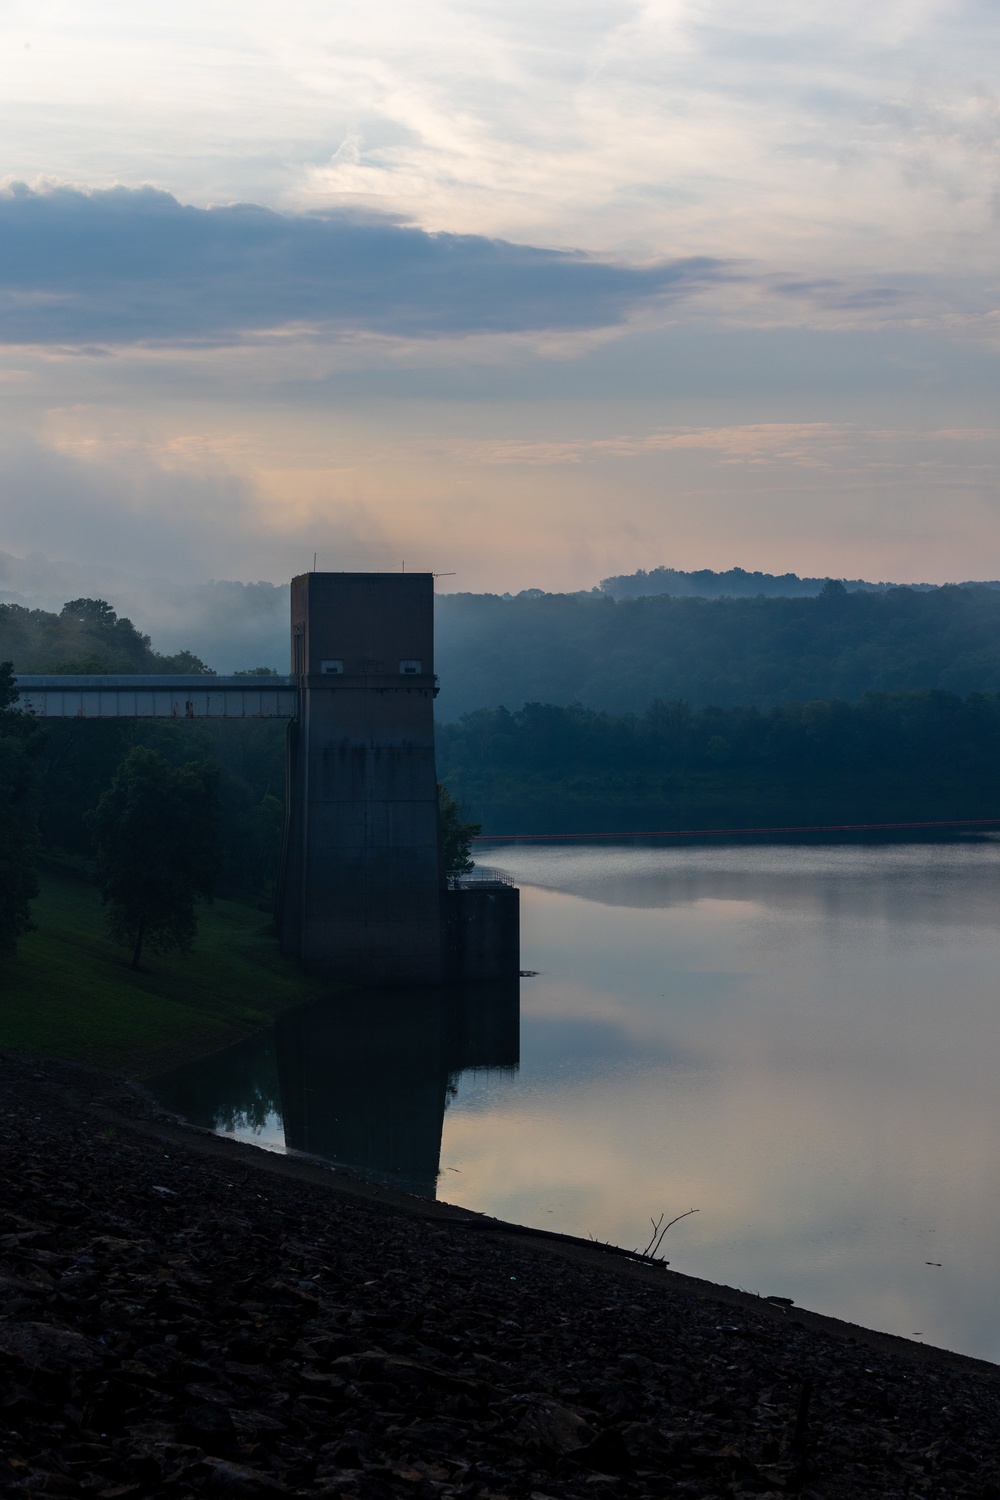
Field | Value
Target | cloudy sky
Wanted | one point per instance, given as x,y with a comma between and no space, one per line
528,294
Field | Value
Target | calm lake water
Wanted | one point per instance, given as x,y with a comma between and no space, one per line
800,1042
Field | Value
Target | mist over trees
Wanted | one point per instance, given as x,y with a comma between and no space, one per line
616,655
229,624
733,583
620,655
862,706
86,636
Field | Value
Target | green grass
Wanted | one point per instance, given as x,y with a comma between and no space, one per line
70,992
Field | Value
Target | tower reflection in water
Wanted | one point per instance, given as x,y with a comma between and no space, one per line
362,1080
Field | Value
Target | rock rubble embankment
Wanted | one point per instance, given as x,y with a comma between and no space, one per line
182,1318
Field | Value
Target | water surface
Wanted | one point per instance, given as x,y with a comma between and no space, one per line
800,1042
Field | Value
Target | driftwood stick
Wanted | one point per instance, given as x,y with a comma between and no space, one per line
656,1225
652,1248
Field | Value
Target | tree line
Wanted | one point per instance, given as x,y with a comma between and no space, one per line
86,636
619,655
159,814
75,761
901,756
706,583
153,847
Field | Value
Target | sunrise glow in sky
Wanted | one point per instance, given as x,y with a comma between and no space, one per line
527,293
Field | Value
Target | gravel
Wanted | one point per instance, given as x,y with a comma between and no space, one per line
184,1316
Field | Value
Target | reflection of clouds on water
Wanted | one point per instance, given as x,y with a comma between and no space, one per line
945,883
564,1052
833,1192
800,1043
811,1064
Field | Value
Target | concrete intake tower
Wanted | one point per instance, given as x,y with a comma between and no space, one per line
363,893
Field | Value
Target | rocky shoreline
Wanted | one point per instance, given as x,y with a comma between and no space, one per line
181,1315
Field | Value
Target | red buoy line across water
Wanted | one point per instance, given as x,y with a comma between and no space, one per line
690,833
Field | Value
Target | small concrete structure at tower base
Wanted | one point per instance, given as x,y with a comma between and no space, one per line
482,931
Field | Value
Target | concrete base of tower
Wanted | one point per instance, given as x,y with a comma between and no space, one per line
481,935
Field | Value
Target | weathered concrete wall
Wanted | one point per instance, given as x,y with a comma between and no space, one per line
360,894
482,932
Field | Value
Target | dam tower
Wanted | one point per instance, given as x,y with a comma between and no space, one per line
362,888
363,895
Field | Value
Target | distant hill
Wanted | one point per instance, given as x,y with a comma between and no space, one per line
619,655
85,636
232,625
737,583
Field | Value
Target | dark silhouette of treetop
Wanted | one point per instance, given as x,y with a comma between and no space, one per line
156,836
456,836
8,689
90,612
18,838
86,636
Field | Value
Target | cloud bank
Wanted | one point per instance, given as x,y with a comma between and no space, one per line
852,138
123,266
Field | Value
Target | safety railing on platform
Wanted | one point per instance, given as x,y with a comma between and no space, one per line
481,875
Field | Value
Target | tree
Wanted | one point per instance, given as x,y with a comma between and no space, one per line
85,638
156,836
456,836
18,837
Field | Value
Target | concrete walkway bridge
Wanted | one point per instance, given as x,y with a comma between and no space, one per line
363,894
150,697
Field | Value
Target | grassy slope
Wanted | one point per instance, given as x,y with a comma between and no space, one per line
70,993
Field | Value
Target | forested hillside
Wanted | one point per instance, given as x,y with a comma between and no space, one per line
620,655
76,760
797,754
732,583
615,655
891,757
86,636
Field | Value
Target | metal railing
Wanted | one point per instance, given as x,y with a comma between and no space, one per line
481,875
